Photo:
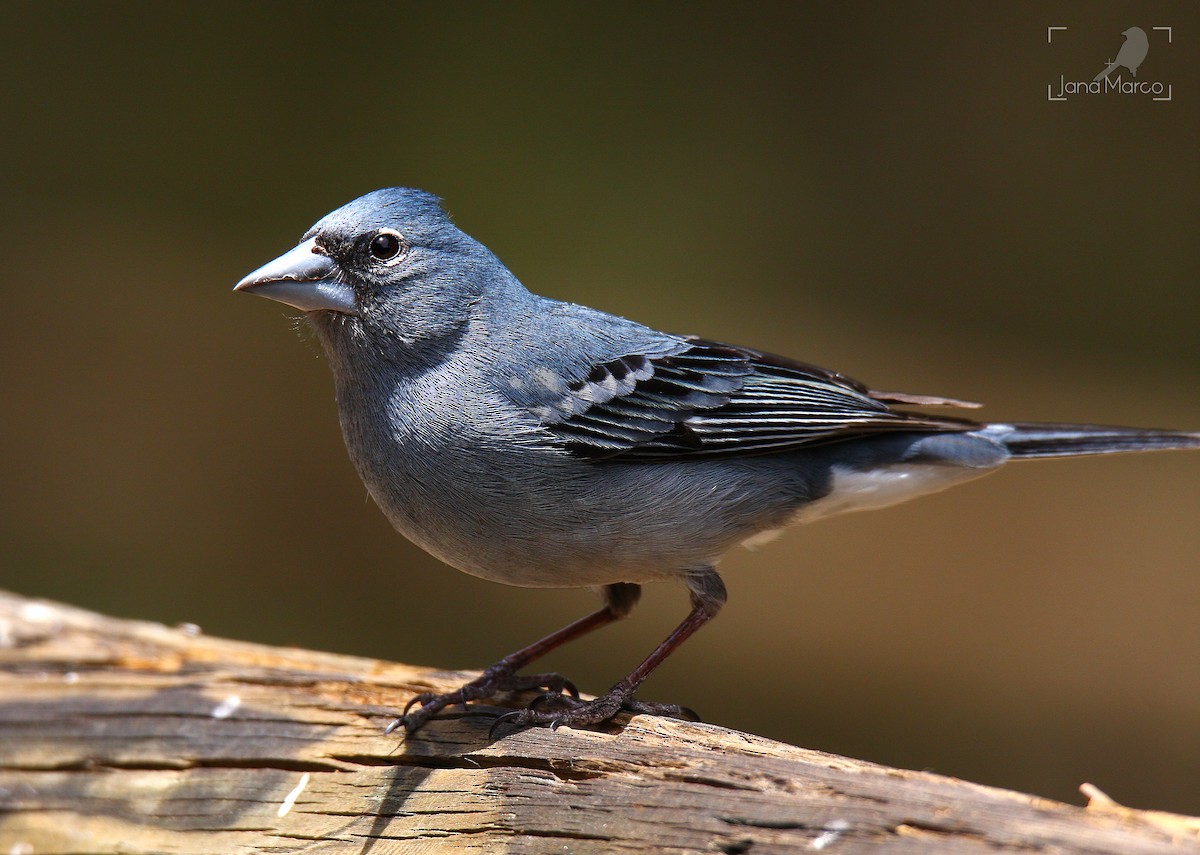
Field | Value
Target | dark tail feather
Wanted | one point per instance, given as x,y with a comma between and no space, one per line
1030,439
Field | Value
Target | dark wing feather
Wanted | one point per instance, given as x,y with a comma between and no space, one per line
717,399
669,389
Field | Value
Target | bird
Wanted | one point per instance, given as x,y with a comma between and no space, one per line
1132,53
541,443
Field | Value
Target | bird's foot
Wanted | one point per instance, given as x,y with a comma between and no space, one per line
556,710
499,678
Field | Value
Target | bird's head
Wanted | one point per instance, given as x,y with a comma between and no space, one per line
389,268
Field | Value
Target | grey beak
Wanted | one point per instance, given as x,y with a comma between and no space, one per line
305,278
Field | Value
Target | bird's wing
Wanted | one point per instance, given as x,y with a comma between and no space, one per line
717,399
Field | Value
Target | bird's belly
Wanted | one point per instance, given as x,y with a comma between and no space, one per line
568,524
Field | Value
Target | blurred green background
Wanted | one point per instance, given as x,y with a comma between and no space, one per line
879,188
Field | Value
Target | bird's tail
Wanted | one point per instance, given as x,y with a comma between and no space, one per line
1032,439
1107,71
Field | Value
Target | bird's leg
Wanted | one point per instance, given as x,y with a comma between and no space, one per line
620,598
708,595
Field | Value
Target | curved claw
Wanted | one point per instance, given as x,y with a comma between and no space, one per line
423,698
559,694
555,710
502,720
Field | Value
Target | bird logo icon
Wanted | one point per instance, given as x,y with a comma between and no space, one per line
1132,53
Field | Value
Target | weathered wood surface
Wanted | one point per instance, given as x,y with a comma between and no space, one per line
122,736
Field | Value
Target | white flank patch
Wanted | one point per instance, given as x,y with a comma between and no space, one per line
878,488
855,490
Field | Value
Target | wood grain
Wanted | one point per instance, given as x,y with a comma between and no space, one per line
132,737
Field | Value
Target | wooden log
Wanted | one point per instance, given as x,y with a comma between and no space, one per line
133,737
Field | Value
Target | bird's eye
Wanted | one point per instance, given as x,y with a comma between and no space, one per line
385,246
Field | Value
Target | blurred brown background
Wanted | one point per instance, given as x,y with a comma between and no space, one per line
882,189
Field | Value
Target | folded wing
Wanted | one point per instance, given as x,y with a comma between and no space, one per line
716,399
